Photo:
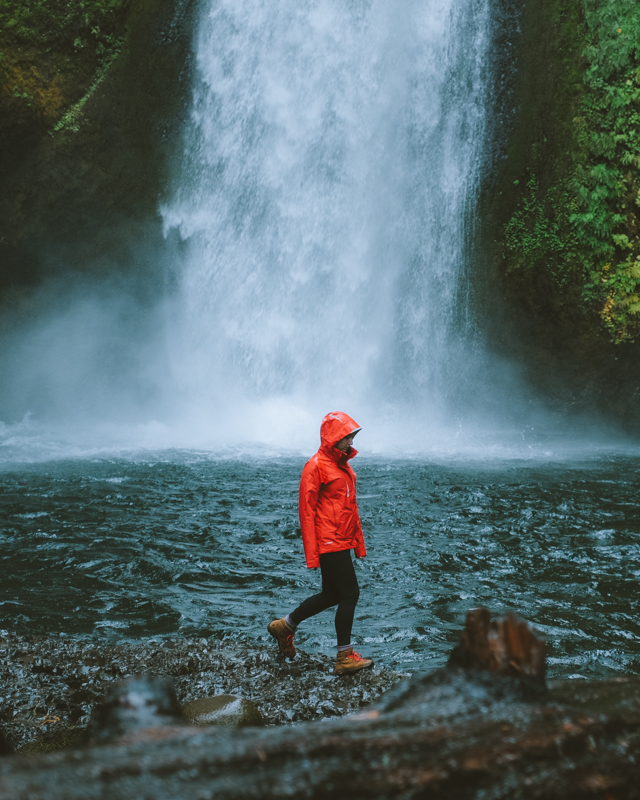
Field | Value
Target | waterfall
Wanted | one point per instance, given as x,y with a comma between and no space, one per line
324,204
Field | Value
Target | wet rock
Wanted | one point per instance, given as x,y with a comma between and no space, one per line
135,703
458,733
56,739
225,709
50,698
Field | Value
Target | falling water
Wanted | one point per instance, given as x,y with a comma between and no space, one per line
325,204
323,215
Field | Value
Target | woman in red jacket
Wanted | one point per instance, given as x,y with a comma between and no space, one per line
331,529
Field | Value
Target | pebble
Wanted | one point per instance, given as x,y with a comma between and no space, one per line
225,709
51,685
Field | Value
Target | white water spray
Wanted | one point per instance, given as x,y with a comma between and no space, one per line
325,199
323,215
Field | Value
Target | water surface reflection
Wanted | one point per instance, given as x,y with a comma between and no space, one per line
190,544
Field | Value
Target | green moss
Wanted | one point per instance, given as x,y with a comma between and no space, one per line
71,120
54,52
575,227
533,232
84,166
61,24
55,741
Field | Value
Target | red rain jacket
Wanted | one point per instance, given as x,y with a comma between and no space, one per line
328,510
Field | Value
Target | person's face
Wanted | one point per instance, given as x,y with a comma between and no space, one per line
345,443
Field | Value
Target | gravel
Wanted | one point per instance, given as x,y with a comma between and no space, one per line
51,685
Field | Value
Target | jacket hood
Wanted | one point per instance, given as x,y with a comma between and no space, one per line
335,426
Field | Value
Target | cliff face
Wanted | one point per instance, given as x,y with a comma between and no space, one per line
564,212
90,98
91,105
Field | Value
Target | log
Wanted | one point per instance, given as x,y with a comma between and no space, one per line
507,646
465,731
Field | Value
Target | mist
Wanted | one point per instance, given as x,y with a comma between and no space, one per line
91,369
321,252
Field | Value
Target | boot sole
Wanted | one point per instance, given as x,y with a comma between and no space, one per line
353,671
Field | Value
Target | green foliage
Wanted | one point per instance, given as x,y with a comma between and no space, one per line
56,740
534,232
586,227
60,24
71,120
58,50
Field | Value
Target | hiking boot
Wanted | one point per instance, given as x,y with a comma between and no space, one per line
349,661
283,634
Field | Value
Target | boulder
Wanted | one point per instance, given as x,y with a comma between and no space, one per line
133,704
224,709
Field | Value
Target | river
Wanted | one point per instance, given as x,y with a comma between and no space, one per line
182,542
322,219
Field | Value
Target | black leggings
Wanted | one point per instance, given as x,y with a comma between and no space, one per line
339,587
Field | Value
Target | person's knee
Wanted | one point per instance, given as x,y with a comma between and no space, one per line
332,598
350,596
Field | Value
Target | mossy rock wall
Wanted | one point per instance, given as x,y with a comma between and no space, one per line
91,106
560,217
89,116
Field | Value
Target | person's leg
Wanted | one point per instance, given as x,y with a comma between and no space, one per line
339,587
329,596
284,629
346,583
348,661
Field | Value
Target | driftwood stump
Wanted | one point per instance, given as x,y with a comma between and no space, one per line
507,646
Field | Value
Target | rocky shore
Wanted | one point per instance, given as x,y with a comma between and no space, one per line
50,686
485,726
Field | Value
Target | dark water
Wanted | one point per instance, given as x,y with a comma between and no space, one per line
189,544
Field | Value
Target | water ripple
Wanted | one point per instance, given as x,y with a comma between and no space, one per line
130,548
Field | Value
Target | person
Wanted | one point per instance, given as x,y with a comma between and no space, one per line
331,529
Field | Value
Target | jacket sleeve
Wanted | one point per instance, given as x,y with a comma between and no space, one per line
360,549
308,502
